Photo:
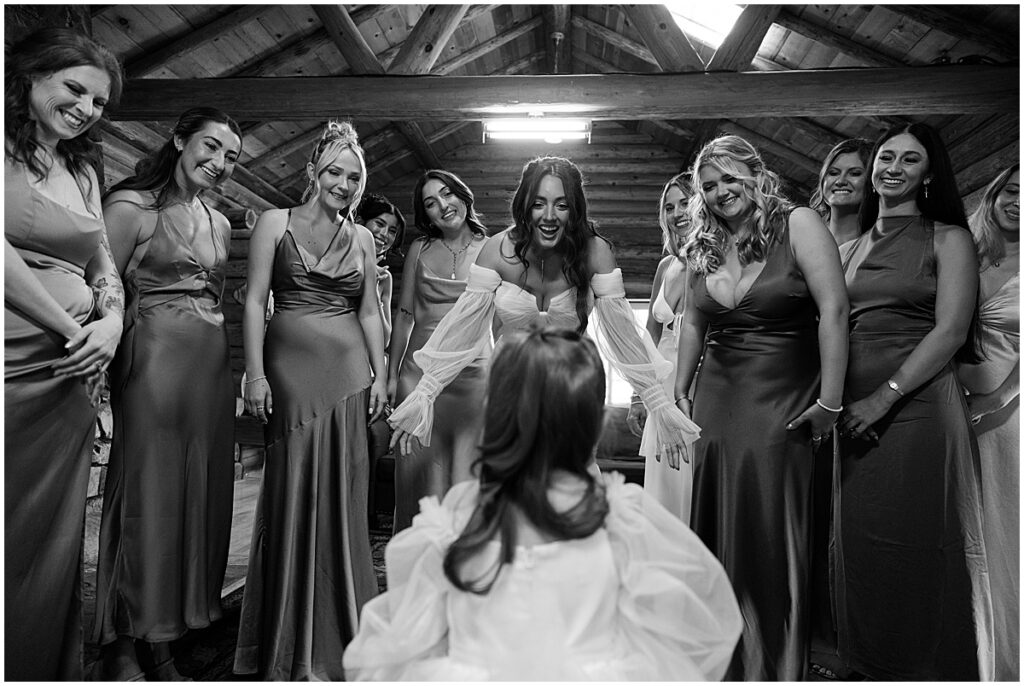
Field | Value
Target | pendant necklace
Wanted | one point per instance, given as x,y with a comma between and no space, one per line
456,253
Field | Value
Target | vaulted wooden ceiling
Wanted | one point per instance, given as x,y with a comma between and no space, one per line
417,79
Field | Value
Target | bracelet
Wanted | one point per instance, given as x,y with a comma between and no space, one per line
258,378
684,397
825,407
891,383
635,399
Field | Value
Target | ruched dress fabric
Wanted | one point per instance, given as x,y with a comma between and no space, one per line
465,331
167,502
640,599
911,585
49,428
999,446
673,488
752,477
310,569
433,469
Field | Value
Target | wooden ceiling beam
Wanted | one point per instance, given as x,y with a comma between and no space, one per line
960,27
558,27
666,41
478,51
787,19
614,39
955,89
154,59
423,46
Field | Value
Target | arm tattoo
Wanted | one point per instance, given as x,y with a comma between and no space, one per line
405,311
108,290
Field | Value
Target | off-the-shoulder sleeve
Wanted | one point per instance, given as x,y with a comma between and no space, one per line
408,623
633,354
459,338
677,604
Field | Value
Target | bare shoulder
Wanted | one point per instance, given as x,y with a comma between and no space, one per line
953,237
141,199
494,253
220,222
270,226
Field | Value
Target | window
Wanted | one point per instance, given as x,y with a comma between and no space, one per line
619,390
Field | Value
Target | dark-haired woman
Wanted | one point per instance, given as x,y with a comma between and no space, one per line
550,267
994,404
385,221
433,279
911,584
538,570
167,504
769,315
309,380
63,306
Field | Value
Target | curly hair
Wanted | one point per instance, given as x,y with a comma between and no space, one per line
983,224
156,171
39,55
336,138
705,248
668,234
575,243
544,412
857,146
459,189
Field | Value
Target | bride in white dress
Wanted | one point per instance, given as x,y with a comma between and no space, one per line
551,267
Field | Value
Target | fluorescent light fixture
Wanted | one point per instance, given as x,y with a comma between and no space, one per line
549,129
708,22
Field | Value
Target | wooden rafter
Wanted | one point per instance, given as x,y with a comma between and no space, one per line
557,27
423,46
787,19
613,38
156,58
960,27
488,46
361,60
668,44
910,90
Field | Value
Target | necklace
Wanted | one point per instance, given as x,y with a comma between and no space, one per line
456,253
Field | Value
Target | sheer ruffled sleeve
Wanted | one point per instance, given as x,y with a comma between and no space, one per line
678,607
633,354
408,623
459,338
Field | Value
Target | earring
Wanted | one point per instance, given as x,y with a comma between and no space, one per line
926,191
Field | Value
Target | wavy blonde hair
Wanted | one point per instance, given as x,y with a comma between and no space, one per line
337,137
988,238
705,247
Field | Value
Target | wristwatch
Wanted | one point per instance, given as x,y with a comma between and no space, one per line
891,383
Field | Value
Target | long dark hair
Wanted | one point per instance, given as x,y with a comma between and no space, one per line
373,205
155,172
544,410
942,202
39,55
575,243
858,146
459,189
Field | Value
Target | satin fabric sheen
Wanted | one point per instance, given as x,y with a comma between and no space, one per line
752,477
310,569
912,594
167,502
49,427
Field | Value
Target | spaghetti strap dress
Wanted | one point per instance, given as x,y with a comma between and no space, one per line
49,428
310,568
999,447
433,469
167,503
673,488
752,477
912,592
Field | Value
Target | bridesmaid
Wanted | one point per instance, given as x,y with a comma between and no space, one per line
911,585
670,487
63,306
167,504
433,279
386,223
768,299
310,569
994,404
842,183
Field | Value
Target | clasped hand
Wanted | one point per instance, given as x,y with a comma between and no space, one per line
91,349
820,421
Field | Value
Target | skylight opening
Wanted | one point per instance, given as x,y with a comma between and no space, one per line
708,22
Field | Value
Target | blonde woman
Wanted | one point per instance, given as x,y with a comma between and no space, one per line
768,392
310,569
